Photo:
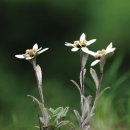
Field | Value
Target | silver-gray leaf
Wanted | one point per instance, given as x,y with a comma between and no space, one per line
95,77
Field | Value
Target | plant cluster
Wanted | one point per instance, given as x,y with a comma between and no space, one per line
50,118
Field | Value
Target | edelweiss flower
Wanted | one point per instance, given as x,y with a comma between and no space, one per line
103,54
31,53
81,44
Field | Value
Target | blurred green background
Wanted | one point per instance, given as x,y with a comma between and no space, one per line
51,23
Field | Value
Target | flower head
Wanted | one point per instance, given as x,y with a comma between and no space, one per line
31,53
81,44
103,54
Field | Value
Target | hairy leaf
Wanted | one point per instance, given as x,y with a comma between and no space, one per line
95,77
77,115
62,123
74,82
104,90
44,111
86,106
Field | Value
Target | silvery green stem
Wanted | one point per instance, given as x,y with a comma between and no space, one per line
100,80
102,63
82,75
83,60
82,84
38,74
98,88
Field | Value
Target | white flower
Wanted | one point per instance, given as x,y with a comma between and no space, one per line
31,53
81,44
103,54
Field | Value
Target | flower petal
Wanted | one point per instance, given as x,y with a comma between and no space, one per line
39,49
21,56
74,49
110,50
95,62
29,58
69,44
84,49
35,46
90,42
42,50
82,37
109,47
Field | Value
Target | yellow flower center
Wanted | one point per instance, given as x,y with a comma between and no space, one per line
80,44
30,52
101,53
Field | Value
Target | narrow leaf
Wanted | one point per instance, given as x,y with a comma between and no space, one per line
44,111
77,115
37,127
86,106
95,77
65,111
62,123
74,82
51,110
58,110
34,99
105,89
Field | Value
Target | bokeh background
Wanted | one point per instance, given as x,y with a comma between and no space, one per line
51,23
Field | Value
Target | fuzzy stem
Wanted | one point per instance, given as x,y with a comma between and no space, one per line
82,85
38,74
97,91
33,61
102,63
82,74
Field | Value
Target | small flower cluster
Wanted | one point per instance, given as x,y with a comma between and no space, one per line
56,117
102,54
87,106
82,45
48,117
31,53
